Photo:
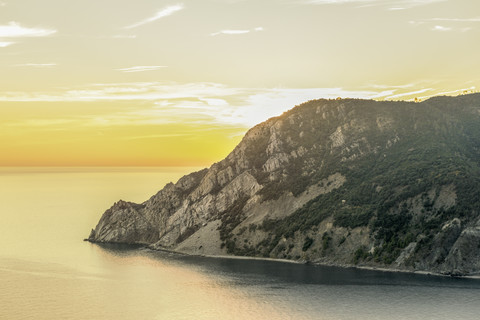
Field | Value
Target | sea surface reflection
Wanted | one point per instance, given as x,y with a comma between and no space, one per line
48,272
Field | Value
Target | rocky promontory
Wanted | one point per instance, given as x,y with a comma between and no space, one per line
343,182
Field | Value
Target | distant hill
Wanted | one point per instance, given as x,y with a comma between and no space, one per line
341,182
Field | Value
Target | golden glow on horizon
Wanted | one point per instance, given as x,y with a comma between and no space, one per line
179,83
60,144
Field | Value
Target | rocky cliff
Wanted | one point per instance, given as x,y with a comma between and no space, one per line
342,182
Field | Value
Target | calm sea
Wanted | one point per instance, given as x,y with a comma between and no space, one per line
48,272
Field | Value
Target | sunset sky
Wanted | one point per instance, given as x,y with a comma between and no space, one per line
167,83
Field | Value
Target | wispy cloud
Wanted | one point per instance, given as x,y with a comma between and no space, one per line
392,4
236,32
124,36
148,91
459,91
159,136
455,19
395,87
336,1
450,20
15,30
203,103
36,65
406,2
408,94
2,4
140,68
467,90
241,107
207,103
454,24
160,14
441,28
40,122
229,32
4,44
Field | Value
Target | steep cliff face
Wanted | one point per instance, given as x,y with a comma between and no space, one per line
391,184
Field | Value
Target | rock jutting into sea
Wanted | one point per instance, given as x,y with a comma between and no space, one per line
393,185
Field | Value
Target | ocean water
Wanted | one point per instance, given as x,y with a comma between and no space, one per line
48,272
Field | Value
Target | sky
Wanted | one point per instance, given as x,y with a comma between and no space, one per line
178,83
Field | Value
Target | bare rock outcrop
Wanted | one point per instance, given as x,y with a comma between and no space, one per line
341,182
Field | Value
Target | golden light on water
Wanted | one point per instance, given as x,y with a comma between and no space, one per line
48,272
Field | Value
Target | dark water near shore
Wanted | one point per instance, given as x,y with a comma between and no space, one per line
47,272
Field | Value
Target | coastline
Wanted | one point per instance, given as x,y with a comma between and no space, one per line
313,263
343,266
